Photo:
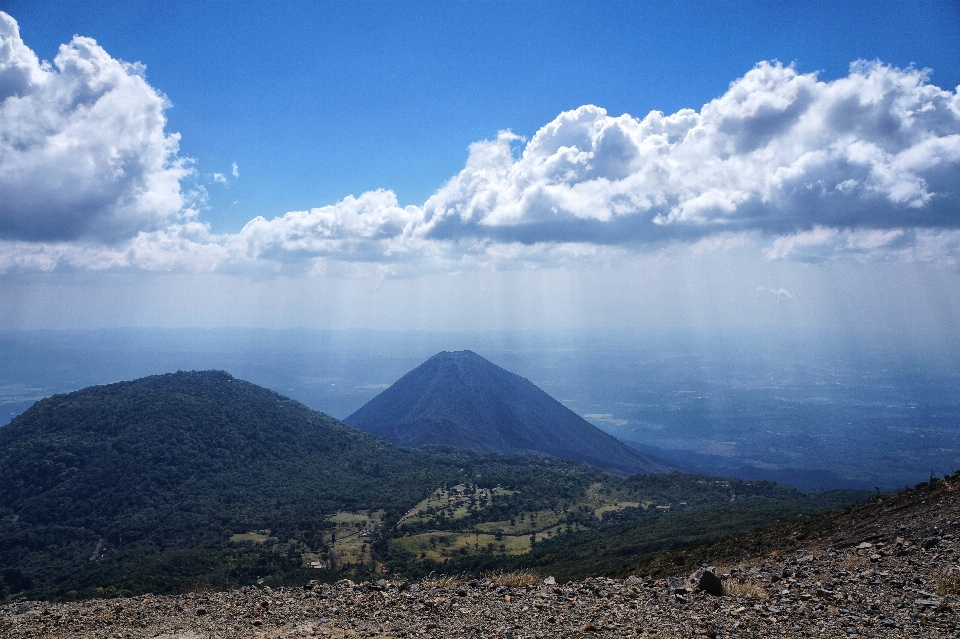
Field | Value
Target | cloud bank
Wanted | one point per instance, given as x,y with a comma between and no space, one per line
865,166
83,152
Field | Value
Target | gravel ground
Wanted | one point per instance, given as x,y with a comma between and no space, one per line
889,569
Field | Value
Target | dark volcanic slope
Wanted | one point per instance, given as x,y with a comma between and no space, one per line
461,399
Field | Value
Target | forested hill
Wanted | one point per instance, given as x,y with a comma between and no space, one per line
461,399
85,457
159,473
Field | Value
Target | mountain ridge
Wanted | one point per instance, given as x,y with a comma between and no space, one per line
461,399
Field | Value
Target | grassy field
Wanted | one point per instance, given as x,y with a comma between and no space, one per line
350,540
455,502
362,519
468,524
502,538
259,537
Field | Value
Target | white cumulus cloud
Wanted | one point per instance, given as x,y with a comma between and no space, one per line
780,152
779,294
83,152
872,157
866,166
822,244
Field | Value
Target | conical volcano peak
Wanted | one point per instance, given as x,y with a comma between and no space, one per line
457,355
458,398
467,357
464,361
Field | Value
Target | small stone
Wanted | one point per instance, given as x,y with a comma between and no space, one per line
929,542
927,603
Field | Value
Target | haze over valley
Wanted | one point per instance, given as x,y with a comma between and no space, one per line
810,412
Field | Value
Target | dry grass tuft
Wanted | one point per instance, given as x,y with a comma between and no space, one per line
745,588
852,561
949,585
515,579
747,564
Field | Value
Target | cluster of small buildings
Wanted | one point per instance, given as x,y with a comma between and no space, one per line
470,493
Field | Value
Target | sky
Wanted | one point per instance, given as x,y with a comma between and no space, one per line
481,165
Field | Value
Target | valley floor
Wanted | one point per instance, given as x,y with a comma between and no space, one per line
884,569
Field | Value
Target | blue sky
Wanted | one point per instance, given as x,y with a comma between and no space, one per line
315,102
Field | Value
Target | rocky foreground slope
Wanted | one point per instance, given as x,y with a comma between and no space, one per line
888,568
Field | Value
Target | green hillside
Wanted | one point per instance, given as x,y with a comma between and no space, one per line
198,479
163,476
611,528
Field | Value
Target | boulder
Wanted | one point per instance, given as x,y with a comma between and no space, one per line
711,584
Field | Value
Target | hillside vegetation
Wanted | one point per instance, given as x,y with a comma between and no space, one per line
885,568
198,479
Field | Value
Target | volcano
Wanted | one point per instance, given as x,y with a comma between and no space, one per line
461,399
